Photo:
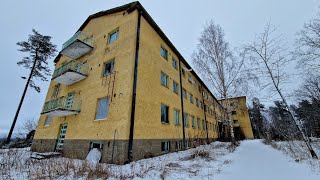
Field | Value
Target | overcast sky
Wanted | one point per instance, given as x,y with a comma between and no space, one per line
181,21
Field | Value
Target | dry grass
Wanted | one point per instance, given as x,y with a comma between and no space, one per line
18,164
199,152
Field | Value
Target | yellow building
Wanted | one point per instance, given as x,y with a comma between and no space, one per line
240,117
120,85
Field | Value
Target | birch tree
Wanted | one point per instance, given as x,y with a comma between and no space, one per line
216,63
269,61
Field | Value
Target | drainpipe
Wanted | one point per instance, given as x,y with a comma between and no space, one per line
181,97
134,89
205,116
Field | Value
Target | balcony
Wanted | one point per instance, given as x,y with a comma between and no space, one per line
62,106
70,73
77,46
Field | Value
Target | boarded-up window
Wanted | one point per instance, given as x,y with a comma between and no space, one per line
102,109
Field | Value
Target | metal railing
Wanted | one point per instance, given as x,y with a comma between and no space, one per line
80,36
71,103
71,66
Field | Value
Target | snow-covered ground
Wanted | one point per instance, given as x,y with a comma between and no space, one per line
255,160
202,162
251,160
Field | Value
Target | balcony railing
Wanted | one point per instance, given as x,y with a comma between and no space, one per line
70,73
62,106
78,45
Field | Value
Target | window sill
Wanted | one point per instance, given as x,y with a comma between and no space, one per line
101,119
166,123
165,86
46,126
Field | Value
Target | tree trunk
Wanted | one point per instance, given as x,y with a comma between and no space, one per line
305,138
21,101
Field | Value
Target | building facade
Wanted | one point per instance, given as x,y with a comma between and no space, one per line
121,86
240,118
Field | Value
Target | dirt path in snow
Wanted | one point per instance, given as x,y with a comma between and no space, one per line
257,161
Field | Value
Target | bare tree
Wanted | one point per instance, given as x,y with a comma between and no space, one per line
28,126
310,89
269,60
216,63
308,45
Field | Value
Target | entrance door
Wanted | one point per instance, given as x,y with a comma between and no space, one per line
62,136
69,100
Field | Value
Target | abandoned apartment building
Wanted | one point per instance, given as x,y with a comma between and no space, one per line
120,85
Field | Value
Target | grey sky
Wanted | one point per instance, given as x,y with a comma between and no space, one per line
181,21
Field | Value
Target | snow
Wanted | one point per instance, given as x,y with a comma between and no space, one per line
254,160
251,160
94,156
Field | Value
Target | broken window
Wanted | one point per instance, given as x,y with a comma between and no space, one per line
113,36
165,146
164,113
56,91
108,68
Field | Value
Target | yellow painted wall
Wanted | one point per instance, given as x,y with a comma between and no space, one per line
84,125
150,92
242,115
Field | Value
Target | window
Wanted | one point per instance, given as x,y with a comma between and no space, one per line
175,87
165,146
199,123
193,123
201,105
234,112
48,120
164,113
108,68
183,72
176,117
164,79
95,145
195,84
164,53
203,125
186,121
102,109
174,63
184,93
189,78
113,36
56,91
235,121
197,102
191,98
